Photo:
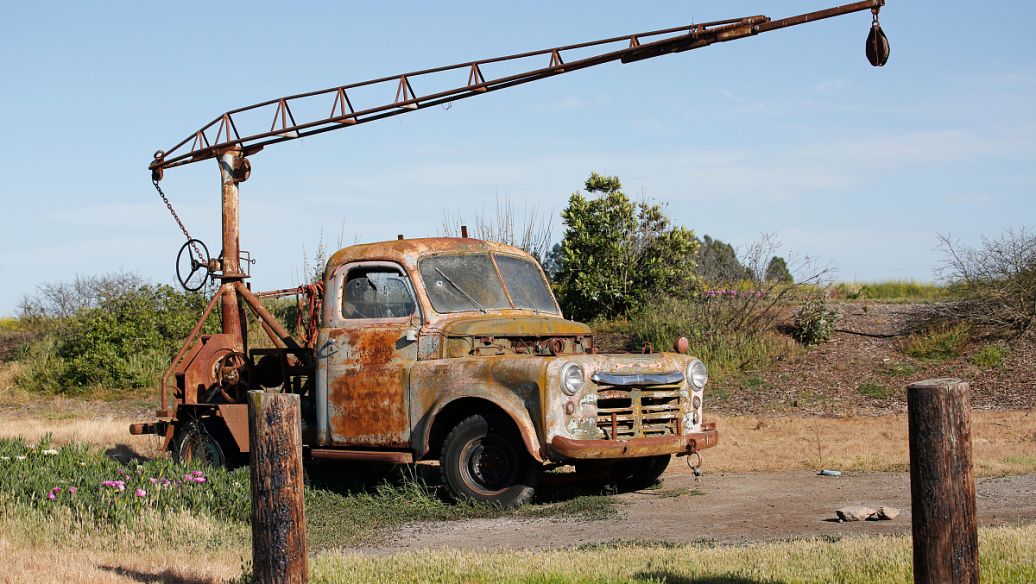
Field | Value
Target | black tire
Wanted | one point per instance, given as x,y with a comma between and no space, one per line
641,473
484,459
626,475
199,443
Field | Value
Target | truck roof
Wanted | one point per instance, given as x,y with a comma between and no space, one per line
409,251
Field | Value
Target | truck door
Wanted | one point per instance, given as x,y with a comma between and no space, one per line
368,369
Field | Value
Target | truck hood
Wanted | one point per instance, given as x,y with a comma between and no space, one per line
523,325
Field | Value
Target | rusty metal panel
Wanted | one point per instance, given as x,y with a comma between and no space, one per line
236,418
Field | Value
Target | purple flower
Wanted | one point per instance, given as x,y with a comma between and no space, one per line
200,480
73,490
153,480
140,493
52,496
198,473
118,485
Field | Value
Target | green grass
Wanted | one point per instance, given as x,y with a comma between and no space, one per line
991,356
346,505
890,291
1007,555
875,391
939,342
899,369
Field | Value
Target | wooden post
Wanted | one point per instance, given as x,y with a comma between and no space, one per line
278,521
942,486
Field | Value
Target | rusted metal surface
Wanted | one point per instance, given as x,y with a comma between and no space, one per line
570,449
236,418
231,165
222,132
367,394
187,346
394,457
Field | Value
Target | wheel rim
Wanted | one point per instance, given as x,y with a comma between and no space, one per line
202,449
489,465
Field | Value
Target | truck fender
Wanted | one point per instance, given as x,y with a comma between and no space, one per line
509,404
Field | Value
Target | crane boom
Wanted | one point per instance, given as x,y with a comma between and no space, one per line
223,133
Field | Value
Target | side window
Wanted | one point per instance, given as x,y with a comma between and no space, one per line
376,292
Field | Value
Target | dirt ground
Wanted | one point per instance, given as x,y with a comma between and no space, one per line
723,508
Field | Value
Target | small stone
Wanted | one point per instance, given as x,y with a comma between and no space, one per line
855,513
888,513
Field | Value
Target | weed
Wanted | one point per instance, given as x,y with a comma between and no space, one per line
939,342
875,391
990,356
755,383
899,369
894,290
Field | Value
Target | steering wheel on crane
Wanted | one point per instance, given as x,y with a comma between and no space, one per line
194,267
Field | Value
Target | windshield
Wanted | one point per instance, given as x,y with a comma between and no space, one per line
463,283
458,283
525,283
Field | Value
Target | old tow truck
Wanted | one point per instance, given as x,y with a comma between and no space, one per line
445,348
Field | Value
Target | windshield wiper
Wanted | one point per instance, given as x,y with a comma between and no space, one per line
461,290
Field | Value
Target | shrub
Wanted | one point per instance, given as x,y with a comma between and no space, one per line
875,391
616,254
814,322
991,356
995,283
127,340
939,341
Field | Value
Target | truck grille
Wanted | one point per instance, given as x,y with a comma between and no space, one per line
635,412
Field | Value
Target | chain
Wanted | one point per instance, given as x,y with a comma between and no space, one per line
176,217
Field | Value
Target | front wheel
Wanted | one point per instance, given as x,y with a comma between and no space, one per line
484,459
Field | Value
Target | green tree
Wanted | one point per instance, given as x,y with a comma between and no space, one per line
777,271
616,253
718,263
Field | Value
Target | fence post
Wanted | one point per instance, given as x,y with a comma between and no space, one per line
942,485
278,521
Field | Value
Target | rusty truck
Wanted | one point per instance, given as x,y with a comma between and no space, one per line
448,349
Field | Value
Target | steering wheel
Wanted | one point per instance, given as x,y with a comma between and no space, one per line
192,267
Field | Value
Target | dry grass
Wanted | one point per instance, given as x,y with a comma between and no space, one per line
172,549
1007,555
1003,442
105,431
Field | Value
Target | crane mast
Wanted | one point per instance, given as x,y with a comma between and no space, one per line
222,138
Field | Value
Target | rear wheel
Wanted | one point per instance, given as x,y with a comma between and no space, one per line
197,442
484,459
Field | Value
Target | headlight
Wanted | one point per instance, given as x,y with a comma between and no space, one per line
697,373
571,378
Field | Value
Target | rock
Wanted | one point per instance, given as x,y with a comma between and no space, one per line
887,513
855,513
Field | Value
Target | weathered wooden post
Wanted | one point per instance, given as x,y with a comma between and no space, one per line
278,521
942,486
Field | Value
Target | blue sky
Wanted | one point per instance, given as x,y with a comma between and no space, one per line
791,133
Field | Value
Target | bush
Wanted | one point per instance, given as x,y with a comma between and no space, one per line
814,322
616,254
995,283
991,356
939,341
128,340
731,327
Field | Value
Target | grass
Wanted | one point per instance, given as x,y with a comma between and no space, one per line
875,390
899,369
889,291
1007,554
991,356
1002,443
939,342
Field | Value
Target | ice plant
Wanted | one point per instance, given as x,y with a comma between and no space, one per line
118,485
140,493
73,490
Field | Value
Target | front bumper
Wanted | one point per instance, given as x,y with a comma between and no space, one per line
562,448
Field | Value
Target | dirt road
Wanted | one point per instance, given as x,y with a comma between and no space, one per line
732,507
